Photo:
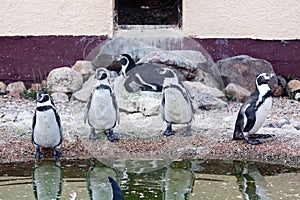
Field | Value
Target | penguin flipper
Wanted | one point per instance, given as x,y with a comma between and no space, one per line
87,106
251,118
162,105
238,129
33,125
114,101
59,125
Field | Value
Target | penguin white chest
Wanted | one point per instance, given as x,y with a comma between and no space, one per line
176,109
102,114
261,114
46,130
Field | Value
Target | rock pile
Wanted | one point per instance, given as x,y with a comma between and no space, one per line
210,84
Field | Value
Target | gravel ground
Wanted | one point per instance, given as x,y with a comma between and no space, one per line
141,137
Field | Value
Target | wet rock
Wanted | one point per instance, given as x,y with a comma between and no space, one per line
16,88
64,79
2,88
243,70
59,97
237,92
85,68
86,89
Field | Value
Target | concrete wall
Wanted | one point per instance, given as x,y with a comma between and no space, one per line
56,17
262,19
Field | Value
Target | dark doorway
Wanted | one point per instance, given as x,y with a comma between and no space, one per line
148,12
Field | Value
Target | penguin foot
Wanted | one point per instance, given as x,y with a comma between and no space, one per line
93,137
168,132
253,142
38,154
112,137
57,154
188,131
263,136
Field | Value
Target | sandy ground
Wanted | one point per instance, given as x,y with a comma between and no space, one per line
141,137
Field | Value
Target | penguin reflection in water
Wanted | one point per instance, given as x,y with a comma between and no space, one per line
176,105
46,126
102,112
254,112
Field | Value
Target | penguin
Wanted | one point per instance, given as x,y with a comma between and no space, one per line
46,125
176,105
142,76
254,111
47,180
101,182
102,112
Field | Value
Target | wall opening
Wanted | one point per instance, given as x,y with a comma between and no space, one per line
147,13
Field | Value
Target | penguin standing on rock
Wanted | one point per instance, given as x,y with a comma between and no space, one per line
46,125
102,112
254,112
176,105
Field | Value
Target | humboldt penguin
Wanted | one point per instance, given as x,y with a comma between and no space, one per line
102,112
176,105
254,111
46,125
142,76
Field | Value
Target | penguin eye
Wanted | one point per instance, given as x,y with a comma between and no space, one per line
123,61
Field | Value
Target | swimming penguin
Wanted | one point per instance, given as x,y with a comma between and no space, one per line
254,112
46,125
176,105
142,76
102,112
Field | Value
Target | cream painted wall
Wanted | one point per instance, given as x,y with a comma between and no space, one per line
263,19
56,17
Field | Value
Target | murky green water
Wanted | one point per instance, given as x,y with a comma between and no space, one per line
149,179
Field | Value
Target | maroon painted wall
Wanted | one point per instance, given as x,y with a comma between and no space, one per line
20,56
283,55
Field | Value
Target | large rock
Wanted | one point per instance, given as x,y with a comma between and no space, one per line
64,79
205,97
293,86
243,70
237,92
85,68
16,87
194,64
2,88
148,103
189,63
84,93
